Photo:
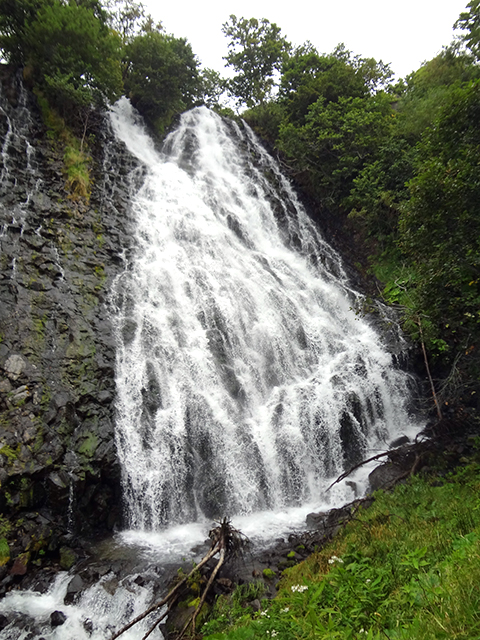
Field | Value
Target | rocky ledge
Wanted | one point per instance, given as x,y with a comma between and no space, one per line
59,257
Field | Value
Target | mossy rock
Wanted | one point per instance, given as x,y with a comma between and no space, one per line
67,558
89,445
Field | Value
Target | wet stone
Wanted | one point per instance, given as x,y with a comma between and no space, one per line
57,618
75,586
399,442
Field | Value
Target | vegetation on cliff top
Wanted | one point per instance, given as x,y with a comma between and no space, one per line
79,55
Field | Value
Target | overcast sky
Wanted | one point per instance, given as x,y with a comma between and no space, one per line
404,33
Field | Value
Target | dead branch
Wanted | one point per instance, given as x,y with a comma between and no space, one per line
169,597
226,540
155,625
360,464
204,595
427,367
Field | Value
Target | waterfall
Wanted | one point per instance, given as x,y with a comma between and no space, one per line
245,378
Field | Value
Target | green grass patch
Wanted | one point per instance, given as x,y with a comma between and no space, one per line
76,161
77,170
408,567
4,552
233,610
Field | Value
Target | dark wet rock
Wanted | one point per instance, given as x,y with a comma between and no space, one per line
57,618
353,486
399,442
110,586
255,604
75,586
327,523
385,475
58,259
88,626
20,565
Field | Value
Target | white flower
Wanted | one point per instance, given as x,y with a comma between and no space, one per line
335,559
299,588
274,633
285,610
367,580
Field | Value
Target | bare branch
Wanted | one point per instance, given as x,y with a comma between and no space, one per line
360,464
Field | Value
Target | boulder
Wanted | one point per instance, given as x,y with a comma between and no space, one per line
385,475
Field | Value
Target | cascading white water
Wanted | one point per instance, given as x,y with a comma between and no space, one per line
244,377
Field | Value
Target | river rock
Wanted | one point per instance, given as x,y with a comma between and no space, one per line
385,475
57,618
75,586
399,442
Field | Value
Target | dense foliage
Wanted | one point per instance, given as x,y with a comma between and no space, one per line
80,54
161,76
66,48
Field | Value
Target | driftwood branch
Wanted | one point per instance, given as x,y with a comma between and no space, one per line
193,617
225,540
357,466
169,598
155,625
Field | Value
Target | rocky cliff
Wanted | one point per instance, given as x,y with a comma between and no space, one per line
59,257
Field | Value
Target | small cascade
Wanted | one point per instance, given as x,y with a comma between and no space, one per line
245,380
15,126
93,616
4,175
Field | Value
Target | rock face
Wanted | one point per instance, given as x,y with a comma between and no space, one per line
58,260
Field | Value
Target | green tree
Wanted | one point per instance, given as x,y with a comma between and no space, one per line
211,88
125,17
15,16
161,77
469,21
337,139
308,76
334,121
67,48
74,56
440,226
426,89
256,52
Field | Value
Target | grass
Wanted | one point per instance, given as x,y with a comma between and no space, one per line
76,161
77,170
407,568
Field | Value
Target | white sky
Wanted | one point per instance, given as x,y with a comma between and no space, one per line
404,33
